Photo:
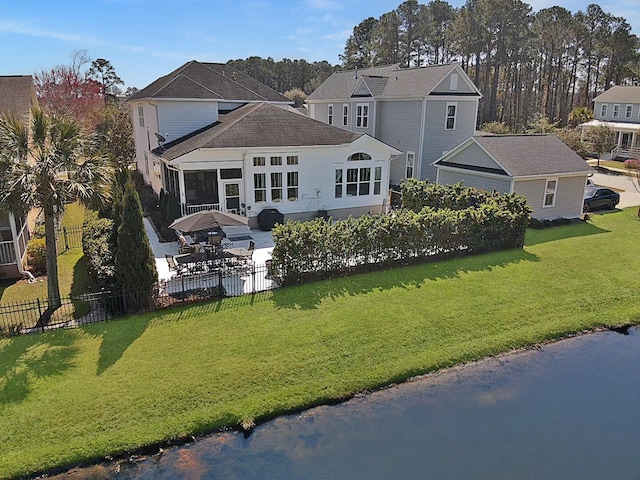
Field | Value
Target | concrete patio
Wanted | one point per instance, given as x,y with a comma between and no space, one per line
236,283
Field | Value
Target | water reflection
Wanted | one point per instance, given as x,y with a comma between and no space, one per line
566,411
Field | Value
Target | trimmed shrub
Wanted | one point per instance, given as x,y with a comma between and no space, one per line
463,221
96,246
134,260
37,256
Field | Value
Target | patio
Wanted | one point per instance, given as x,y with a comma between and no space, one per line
242,281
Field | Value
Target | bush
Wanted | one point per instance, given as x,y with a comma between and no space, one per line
37,256
464,221
97,250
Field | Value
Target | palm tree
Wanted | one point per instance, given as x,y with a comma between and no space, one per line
46,163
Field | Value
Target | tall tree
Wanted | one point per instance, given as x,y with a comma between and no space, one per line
135,265
358,51
103,72
45,164
385,39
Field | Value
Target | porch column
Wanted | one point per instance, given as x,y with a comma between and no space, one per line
183,195
619,140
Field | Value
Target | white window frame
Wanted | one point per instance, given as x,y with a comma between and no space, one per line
345,114
293,185
628,113
447,116
260,188
410,164
616,111
548,191
603,110
362,115
141,116
453,81
276,186
259,161
330,114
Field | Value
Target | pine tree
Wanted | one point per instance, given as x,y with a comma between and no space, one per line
135,265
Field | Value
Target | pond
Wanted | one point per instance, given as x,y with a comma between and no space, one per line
568,410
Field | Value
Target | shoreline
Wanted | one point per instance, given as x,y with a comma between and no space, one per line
157,449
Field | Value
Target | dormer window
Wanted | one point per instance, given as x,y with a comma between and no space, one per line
359,156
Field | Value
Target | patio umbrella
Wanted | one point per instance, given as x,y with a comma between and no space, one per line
208,219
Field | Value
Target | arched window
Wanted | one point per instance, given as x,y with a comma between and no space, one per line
359,156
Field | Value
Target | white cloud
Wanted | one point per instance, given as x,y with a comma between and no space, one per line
32,31
324,4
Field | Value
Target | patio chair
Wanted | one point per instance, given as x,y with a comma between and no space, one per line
173,265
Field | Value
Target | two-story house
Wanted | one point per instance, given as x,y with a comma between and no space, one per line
218,139
619,109
423,112
17,97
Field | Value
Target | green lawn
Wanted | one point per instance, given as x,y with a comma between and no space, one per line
73,395
72,271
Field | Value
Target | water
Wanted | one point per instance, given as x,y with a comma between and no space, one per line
569,411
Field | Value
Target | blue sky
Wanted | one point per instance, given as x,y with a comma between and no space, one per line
145,39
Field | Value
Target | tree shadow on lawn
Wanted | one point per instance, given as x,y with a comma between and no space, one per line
310,295
581,229
117,337
27,358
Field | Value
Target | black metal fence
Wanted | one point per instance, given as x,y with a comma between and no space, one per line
230,281
68,238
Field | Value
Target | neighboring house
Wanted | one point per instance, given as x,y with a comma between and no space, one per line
540,167
244,156
17,97
619,109
424,112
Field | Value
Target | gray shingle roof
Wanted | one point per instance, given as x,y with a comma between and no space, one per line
214,81
389,82
258,125
619,94
17,94
531,155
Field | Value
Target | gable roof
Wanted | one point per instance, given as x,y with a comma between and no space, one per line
620,94
389,81
215,81
17,94
525,155
258,125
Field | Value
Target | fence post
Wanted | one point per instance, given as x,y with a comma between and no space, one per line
66,239
253,277
124,302
40,314
182,286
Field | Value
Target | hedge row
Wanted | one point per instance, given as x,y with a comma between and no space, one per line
321,248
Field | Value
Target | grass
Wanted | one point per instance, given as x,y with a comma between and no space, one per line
72,272
75,395
608,164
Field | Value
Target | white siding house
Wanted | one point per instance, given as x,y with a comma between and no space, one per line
619,109
216,139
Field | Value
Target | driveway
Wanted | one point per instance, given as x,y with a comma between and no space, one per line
629,196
